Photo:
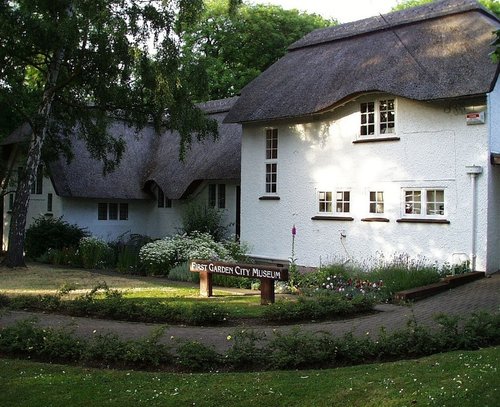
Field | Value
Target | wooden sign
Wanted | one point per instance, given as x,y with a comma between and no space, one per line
266,274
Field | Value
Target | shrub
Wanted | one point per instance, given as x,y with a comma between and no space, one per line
193,355
160,256
51,233
203,219
95,253
126,253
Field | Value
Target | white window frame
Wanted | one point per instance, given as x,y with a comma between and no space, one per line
376,202
425,204
330,201
271,161
217,196
378,122
121,214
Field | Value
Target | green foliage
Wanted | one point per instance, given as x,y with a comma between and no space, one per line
203,219
229,50
95,253
295,349
160,256
79,67
319,306
127,253
51,233
194,356
102,302
493,5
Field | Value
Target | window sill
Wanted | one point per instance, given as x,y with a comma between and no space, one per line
48,214
334,218
375,220
375,139
423,220
269,198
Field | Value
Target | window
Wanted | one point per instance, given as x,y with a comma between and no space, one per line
102,211
163,201
49,202
325,201
424,202
376,202
378,118
342,202
271,161
112,211
12,196
123,211
217,195
271,144
271,178
37,187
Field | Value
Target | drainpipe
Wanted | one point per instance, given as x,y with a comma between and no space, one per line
474,171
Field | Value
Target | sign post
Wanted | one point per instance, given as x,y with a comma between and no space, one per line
266,274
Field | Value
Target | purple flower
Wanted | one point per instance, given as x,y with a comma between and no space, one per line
294,230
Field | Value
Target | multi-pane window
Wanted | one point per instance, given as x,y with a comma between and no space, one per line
377,118
325,201
217,195
271,178
376,202
271,161
342,203
112,211
163,201
424,202
271,144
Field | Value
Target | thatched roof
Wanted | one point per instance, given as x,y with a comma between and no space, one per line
149,158
437,51
206,160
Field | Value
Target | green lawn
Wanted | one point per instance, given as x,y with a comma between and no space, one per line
465,378
45,279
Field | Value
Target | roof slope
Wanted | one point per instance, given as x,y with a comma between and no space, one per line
148,157
437,51
206,160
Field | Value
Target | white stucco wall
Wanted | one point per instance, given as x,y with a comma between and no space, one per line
493,116
144,217
434,148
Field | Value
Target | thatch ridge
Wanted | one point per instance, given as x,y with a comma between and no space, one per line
444,55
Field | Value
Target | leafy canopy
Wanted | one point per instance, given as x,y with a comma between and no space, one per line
228,50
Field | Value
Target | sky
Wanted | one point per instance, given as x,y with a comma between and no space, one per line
342,10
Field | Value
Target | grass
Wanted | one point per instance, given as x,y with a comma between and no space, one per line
45,279
465,378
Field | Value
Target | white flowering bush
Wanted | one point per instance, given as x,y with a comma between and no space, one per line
160,256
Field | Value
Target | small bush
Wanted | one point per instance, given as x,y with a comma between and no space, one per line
51,233
95,253
203,219
192,355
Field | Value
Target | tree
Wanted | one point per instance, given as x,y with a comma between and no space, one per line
229,50
493,5
73,66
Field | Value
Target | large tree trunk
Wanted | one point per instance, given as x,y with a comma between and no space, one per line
15,252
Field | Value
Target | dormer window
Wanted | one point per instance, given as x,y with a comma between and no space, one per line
378,118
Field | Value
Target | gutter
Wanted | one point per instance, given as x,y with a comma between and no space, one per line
474,171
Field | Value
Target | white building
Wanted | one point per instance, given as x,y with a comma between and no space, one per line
147,193
377,136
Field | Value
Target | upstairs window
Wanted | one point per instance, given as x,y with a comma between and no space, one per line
271,165
217,196
378,118
163,201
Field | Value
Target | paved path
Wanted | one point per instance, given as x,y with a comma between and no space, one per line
483,294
